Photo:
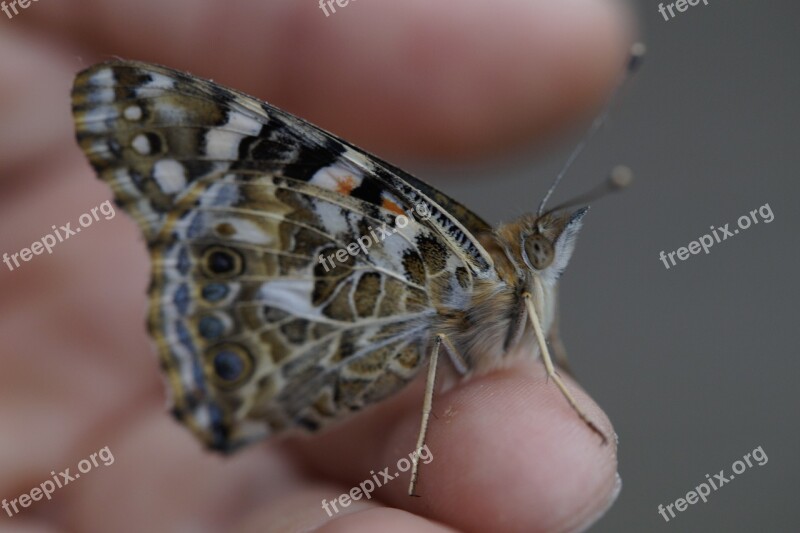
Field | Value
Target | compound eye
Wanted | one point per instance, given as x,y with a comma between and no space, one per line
539,250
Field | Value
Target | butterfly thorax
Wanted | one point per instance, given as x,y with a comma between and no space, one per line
529,255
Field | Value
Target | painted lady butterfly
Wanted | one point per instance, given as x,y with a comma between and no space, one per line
261,322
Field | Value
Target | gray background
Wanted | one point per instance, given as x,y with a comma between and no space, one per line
696,365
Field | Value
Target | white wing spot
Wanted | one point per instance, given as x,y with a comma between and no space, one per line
103,77
290,295
337,178
170,176
334,222
133,113
122,179
156,86
103,95
223,141
160,81
141,144
100,149
222,145
243,124
95,119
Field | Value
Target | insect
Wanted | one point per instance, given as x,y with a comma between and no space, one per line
261,321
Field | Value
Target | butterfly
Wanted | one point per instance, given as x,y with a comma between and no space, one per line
263,317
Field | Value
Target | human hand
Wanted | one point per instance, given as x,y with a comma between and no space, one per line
437,79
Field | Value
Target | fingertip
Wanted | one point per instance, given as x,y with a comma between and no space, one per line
386,520
436,79
509,453
472,79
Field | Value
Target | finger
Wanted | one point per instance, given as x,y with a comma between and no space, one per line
503,445
157,466
74,352
310,510
34,107
453,77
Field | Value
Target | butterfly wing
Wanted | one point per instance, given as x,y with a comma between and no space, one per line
267,312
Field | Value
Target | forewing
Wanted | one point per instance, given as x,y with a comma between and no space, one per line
238,202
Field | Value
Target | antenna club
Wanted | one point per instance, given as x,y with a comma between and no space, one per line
620,177
638,50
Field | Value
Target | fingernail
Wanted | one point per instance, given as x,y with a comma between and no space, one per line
615,490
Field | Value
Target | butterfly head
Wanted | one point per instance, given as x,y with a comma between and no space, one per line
531,253
537,247
546,240
546,243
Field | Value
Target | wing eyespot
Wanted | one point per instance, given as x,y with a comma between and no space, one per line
229,366
211,328
214,292
221,262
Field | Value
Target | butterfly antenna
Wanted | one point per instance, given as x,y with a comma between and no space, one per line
635,61
619,178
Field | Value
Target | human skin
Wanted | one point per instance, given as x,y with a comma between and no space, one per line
448,80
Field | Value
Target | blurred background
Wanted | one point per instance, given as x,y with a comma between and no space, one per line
699,364
696,365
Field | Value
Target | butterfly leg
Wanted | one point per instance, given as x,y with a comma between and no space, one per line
551,371
559,351
426,408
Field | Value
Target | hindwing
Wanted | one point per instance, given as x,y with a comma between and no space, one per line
261,322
